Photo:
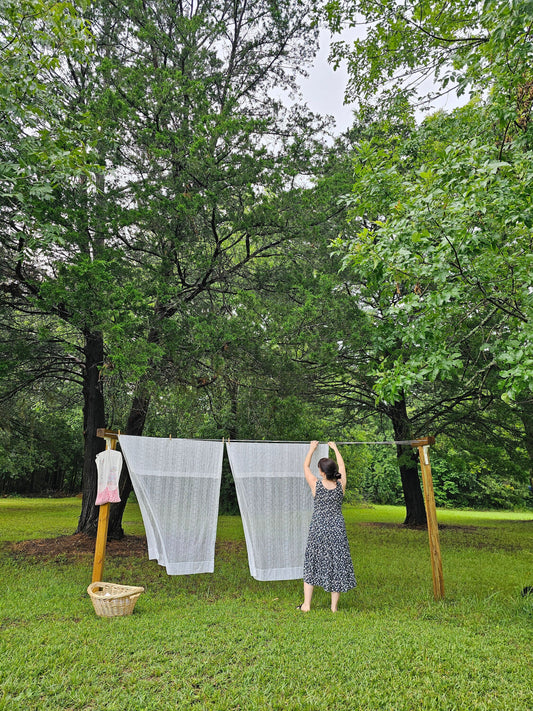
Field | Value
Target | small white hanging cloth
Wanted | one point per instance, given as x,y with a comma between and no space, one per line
177,484
108,466
276,504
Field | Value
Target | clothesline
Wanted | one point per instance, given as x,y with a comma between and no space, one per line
416,441
274,441
177,483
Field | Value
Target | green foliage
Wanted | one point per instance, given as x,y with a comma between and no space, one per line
381,480
445,217
195,177
41,147
472,45
447,230
439,241
490,475
40,445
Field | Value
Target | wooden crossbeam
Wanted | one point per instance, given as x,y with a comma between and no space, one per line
422,442
104,433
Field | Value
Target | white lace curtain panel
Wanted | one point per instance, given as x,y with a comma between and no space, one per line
276,504
177,484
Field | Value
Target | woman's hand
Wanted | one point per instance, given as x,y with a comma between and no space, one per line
313,445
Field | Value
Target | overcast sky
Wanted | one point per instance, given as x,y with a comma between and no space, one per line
323,90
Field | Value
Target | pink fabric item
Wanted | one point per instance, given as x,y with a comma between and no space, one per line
108,465
107,496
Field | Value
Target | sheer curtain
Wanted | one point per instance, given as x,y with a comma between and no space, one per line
177,484
276,504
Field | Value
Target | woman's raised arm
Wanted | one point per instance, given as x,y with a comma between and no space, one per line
340,464
309,476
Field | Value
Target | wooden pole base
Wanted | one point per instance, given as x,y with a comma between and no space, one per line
433,528
101,542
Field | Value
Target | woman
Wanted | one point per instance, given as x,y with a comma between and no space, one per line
327,555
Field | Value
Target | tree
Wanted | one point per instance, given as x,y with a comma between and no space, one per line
41,448
204,171
204,174
213,163
442,215
449,230
45,137
462,219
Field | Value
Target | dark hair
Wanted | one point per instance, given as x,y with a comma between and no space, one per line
329,468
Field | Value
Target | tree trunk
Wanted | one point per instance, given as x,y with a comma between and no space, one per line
415,511
228,494
134,426
233,390
93,418
525,412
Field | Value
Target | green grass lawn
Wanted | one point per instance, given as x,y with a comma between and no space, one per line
226,641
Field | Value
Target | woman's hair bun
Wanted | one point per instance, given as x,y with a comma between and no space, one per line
330,468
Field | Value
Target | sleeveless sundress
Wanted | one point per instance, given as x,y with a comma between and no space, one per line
327,561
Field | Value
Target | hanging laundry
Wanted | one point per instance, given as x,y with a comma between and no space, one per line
108,466
177,484
276,504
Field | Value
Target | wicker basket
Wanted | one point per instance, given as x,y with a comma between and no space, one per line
110,600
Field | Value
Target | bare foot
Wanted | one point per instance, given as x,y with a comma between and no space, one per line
303,609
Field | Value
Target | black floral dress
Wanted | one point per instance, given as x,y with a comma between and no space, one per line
327,562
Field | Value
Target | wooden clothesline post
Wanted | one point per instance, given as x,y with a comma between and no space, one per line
103,515
431,515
